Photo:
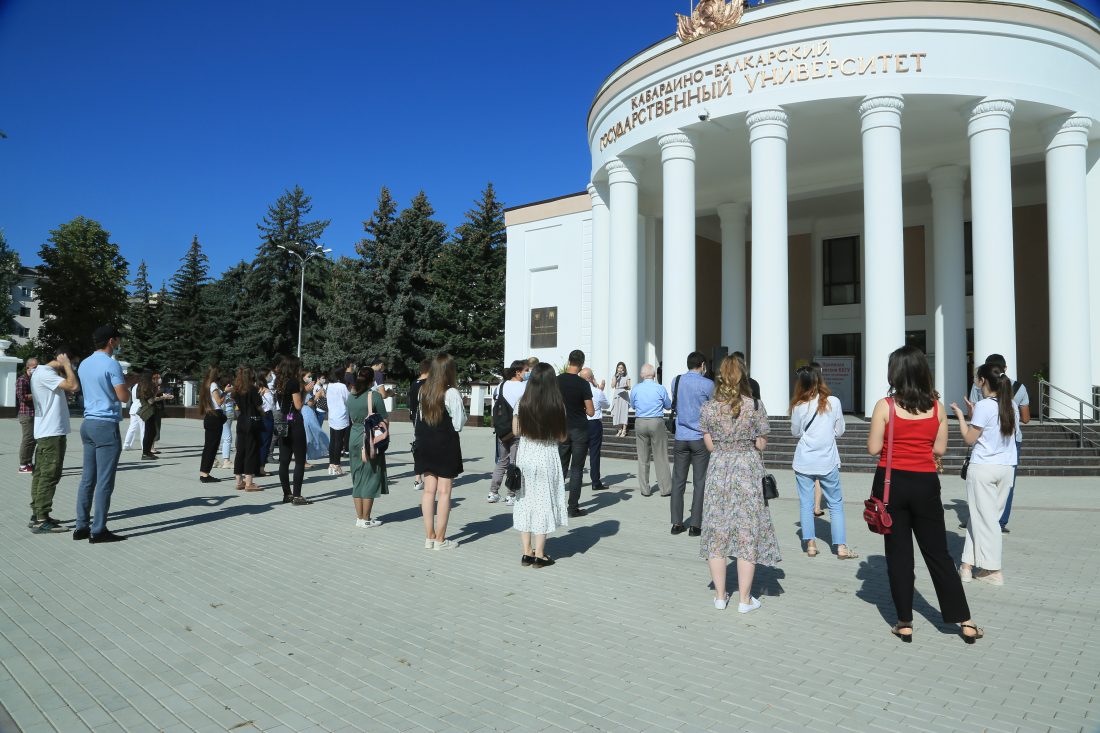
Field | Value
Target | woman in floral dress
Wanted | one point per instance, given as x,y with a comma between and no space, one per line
736,522
620,403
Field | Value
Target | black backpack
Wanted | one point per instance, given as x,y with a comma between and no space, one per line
502,418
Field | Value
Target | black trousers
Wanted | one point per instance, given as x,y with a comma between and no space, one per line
267,427
212,428
337,443
595,445
686,453
246,461
152,429
572,453
917,511
293,446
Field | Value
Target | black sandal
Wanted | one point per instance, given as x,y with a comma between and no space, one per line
978,633
896,631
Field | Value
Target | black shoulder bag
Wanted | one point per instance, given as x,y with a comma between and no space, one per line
769,486
670,421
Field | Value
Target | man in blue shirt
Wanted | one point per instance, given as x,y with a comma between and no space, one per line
650,400
690,390
104,388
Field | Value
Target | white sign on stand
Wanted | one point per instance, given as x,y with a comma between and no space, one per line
839,373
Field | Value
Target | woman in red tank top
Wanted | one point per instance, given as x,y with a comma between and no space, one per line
914,504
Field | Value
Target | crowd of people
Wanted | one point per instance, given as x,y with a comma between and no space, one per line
547,425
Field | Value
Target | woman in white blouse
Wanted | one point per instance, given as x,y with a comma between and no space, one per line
438,455
992,437
817,421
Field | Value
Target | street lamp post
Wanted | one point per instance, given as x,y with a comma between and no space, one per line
317,251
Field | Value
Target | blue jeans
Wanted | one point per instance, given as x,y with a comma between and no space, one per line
1012,490
227,438
830,489
102,448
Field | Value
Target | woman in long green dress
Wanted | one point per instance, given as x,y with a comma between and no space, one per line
368,478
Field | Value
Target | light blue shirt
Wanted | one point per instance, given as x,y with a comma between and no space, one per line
99,374
650,399
692,389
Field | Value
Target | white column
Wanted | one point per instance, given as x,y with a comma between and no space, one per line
734,311
1093,194
1067,255
883,248
769,350
949,281
991,212
601,282
649,281
678,276
624,309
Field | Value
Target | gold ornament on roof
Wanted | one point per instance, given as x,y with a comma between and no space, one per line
708,17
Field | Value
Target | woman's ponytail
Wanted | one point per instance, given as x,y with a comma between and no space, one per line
1002,390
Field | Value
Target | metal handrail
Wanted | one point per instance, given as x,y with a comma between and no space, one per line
1085,428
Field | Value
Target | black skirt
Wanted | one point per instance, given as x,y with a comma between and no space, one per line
438,451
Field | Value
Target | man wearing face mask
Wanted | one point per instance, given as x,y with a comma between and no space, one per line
105,390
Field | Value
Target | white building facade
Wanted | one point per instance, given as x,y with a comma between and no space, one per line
26,312
834,178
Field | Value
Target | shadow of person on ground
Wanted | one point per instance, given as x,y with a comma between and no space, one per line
474,531
470,478
580,540
409,513
240,510
876,591
765,581
604,499
961,509
617,478
171,506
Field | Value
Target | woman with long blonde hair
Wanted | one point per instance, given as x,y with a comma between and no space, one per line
736,521
817,420
438,457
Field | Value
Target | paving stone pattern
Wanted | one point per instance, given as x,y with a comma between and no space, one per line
227,611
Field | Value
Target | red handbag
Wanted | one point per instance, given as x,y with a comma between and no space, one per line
875,511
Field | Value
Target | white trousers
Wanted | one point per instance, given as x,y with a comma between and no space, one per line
987,487
136,430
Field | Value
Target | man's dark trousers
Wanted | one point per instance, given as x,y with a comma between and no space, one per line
572,453
595,445
684,452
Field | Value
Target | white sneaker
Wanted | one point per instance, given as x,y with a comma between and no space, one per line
418,485
721,603
360,523
752,605
429,544
492,498
510,500
966,574
446,545
368,523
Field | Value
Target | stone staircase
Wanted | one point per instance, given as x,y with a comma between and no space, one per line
1048,449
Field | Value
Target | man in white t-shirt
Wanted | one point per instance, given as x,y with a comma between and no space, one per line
1022,401
51,385
510,391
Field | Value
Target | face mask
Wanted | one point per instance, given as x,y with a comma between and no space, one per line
526,376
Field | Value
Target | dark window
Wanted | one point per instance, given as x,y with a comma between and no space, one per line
968,256
24,332
918,339
24,292
24,311
847,344
841,271
544,328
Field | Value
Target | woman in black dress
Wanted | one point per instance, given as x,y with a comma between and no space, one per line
438,457
211,399
288,395
246,462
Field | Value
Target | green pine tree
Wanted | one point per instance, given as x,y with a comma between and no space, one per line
162,332
82,284
269,321
468,282
348,316
186,349
222,300
9,278
140,332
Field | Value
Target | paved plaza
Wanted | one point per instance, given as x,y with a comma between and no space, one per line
228,611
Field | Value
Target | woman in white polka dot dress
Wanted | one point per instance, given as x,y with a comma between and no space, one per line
540,424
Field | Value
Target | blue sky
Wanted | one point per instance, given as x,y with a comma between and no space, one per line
163,120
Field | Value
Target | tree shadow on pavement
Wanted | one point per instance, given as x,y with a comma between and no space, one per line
580,540
876,591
